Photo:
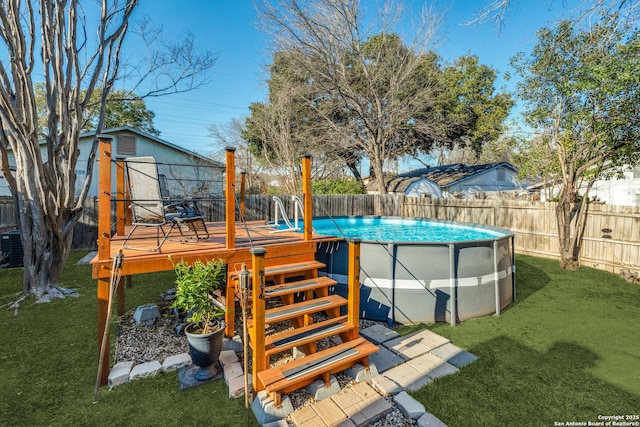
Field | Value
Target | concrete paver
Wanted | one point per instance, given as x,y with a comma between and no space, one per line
404,363
330,412
426,363
454,355
385,359
404,375
378,334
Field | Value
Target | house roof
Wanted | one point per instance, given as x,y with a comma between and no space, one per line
155,139
444,176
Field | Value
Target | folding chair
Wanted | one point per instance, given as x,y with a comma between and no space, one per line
150,209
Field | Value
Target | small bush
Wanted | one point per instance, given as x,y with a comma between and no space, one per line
337,186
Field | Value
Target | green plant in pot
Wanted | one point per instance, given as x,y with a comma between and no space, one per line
195,284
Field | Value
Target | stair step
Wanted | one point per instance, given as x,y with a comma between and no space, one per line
288,270
291,311
286,340
301,372
300,286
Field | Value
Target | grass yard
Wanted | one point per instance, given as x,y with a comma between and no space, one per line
49,362
568,350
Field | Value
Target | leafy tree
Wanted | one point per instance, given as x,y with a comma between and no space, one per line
124,108
53,42
582,90
365,93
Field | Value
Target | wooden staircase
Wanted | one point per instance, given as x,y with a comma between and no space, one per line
302,294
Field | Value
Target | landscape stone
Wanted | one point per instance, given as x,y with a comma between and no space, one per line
234,344
145,370
231,371
176,361
120,373
236,386
409,406
430,420
146,314
227,356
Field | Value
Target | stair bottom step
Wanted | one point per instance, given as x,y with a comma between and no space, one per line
297,374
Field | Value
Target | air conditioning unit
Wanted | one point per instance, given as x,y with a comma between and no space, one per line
11,249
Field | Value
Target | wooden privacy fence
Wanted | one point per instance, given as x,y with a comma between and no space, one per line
611,239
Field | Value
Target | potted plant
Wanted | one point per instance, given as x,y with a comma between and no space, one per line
194,285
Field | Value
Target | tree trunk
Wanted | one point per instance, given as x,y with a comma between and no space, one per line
568,249
46,242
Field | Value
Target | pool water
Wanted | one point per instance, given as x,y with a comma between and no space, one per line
387,229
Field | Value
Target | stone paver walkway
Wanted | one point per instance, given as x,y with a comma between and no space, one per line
403,363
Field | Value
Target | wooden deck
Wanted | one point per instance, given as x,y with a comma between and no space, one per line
255,234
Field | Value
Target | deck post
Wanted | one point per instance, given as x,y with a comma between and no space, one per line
104,245
243,189
353,306
230,214
120,198
104,197
258,309
307,200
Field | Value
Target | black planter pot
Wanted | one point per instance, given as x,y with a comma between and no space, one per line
205,350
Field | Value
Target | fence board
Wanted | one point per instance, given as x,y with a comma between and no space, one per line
610,238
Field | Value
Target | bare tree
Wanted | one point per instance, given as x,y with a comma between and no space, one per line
52,39
616,12
231,135
363,73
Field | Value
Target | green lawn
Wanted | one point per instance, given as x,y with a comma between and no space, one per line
49,362
568,350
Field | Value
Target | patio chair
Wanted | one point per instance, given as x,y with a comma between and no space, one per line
150,209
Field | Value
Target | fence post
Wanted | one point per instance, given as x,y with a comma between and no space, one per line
230,199
258,326
307,197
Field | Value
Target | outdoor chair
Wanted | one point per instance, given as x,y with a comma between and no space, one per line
150,209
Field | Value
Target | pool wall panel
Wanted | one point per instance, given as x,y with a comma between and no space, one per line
411,282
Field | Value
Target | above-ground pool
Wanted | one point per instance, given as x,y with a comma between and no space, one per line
422,270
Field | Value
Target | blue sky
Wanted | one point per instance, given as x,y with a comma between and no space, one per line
237,79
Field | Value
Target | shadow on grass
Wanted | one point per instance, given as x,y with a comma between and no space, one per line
529,279
512,384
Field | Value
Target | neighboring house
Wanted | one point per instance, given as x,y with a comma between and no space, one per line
183,172
440,181
624,191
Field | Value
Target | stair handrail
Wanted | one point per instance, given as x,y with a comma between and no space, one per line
298,207
280,211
